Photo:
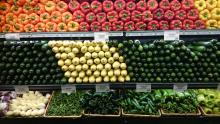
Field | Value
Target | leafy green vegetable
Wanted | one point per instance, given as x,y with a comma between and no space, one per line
139,103
101,103
209,100
179,102
65,105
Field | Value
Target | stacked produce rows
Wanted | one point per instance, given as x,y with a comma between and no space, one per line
60,62
107,15
111,103
29,62
91,62
209,12
171,61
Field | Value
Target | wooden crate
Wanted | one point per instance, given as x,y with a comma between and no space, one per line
208,115
48,116
163,113
141,115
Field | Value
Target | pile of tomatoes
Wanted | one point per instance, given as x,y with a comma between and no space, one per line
36,16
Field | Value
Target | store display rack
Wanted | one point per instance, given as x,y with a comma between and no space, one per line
114,34
128,85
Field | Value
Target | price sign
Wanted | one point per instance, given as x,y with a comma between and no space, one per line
12,36
101,36
218,87
180,87
102,88
171,35
68,89
143,87
21,89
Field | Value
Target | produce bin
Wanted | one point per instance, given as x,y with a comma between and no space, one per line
124,114
208,115
163,113
73,116
101,115
42,116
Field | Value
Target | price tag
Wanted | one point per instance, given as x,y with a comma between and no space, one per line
12,36
102,88
171,35
68,89
180,87
218,87
101,36
21,89
143,87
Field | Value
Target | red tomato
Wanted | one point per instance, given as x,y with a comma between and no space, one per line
27,8
34,18
61,6
51,27
67,16
32,2
56,16
39,27
61,27
29,28
39,8
50,6
20,2
23,19
4,8
18,27
2,20
44,17
7,28
16,9
11,18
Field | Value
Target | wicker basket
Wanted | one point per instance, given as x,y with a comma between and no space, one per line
47,116
101,115
208,115
141,115
180,114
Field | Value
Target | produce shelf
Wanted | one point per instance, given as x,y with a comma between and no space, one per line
113,86
111,34
120,120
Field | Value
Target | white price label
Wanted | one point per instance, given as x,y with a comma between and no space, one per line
180,87
143,87
12,36
21,89
218,87
101,36
171,35
102,88
68,89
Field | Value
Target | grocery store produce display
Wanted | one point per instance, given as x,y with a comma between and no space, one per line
29,62
140,103
89,62
179,102
101,103
5,99
65,104
29,104
209,101
171,61
107,15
